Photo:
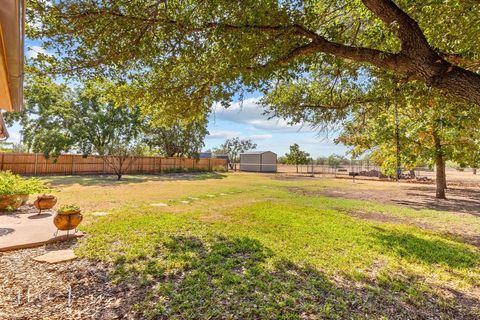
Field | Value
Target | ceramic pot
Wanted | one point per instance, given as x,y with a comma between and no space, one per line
10,202
67,221
24,198
45,202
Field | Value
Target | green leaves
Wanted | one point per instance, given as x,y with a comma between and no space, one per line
234,146
14,184
180,138
297,156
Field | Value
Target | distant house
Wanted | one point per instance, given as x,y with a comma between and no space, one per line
205,155
258,161
211,155
222,156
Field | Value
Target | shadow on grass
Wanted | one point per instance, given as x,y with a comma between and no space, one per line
111,180
229,278
429,251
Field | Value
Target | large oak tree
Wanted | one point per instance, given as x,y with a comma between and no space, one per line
188,54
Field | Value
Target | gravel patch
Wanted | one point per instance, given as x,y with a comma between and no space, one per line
77,289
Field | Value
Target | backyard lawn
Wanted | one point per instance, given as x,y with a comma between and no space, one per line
249,246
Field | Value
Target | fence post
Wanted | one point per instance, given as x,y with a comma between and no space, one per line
73,164
161,171
209,164
1,166
36,164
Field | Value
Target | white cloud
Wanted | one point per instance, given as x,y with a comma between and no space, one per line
223,134
251,113
33,52
261,136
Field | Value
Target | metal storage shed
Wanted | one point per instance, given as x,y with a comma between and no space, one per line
258,161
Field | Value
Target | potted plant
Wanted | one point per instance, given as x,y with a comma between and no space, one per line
14,190
26,187
68,217
45,202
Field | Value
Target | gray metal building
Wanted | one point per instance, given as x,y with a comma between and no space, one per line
258,161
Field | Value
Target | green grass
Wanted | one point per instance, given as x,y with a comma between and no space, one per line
261,251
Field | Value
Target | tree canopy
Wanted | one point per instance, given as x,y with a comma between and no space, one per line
58,119
181,56
180,138
413,125
234,146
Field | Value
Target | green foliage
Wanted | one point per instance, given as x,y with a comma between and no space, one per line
69,209
12,184
234,146
46,117
297,156
180,138
332,160
424,123
177,60
57,119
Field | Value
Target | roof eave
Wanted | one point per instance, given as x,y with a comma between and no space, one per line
12,34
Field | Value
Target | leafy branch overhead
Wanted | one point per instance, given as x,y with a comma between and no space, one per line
189,55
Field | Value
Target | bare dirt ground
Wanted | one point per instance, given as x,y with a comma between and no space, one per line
78,289
417,196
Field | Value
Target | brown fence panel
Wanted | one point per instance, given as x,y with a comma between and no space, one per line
72,164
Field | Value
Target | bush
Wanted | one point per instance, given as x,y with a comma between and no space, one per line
11,184
219,169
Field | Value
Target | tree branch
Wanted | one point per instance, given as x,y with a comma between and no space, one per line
407,30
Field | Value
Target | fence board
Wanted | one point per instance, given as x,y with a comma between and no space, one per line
72,164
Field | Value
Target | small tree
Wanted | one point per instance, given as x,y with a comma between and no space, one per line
234,146
297,156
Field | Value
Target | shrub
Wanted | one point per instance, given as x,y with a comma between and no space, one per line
14,184
219,169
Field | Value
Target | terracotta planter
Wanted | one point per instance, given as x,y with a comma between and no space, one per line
64,221
10,202
45,202
24,198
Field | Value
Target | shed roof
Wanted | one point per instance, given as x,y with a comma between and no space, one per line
256,152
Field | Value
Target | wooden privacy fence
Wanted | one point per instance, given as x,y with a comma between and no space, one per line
72,164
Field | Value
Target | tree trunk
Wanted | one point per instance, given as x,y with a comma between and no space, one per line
441,178
297,167
119,176
474,170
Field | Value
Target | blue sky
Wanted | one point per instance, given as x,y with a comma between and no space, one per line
245,119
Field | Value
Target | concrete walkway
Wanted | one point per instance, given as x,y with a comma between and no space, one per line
20,230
